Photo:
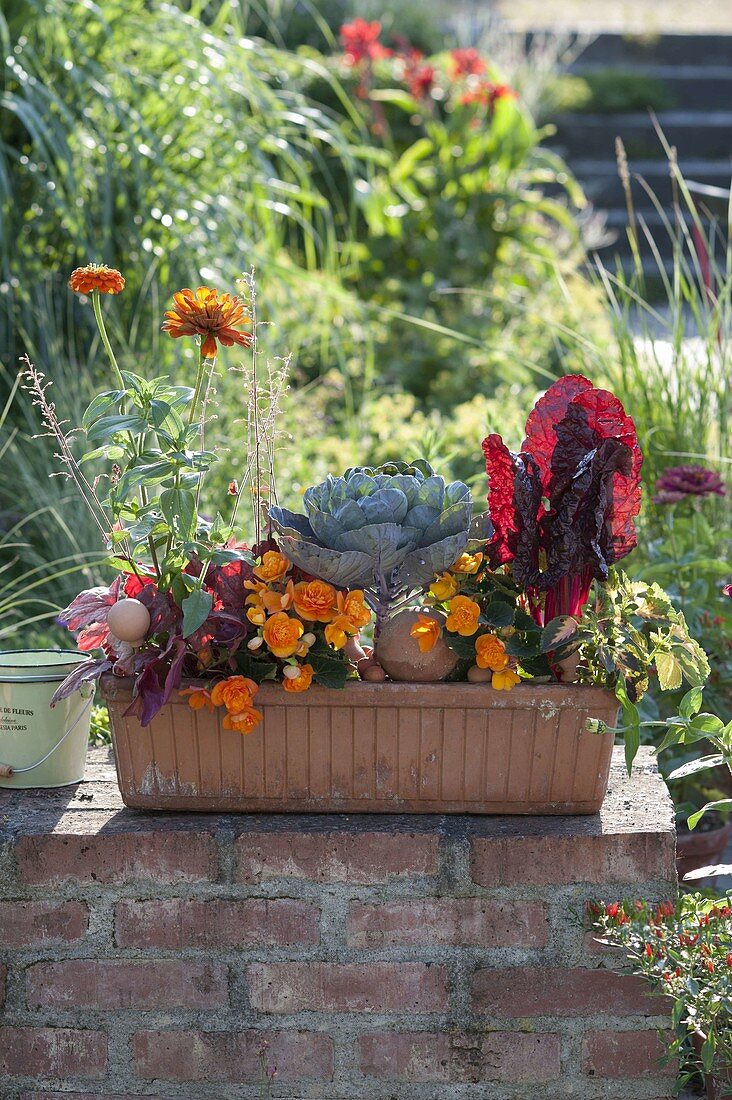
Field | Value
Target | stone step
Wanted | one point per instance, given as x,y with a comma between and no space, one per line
603,187
689,87
696,135
668,49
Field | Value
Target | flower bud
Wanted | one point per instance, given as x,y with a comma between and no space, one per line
291,672
596,725
308,639
255,643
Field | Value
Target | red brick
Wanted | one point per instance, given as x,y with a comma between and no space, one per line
114,983
81,1096
335,857
35,923
180,923
621,1054
452,921
550,860
508,1057
52,1052
554,991
164,857
347,987
225,1056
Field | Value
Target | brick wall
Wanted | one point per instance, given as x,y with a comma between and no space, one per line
413,958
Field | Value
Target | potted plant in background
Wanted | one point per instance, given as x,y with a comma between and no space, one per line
684,951
502,642
704,846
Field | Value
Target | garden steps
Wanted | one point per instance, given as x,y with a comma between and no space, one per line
409,956
696,72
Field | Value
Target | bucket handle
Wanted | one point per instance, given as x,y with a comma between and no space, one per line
7,770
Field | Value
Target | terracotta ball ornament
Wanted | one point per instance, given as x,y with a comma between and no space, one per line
129,620
399,654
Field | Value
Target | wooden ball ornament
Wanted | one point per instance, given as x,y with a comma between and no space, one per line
129,620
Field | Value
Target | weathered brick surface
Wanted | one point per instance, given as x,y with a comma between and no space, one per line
52,1052
558,991
117,983
439,1056
553,860
348,987
335,857
163,857
623,1054
3,979
213,1056
379,957
454,921
182,922
39,923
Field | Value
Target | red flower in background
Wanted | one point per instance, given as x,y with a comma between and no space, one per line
678,482
360,41
487,94
466,62
420,80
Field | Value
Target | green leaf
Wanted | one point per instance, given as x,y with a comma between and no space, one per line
329,669
179,508
523,621
691,703
499,613
558,632
707,723
196,609
101,404
108,426
669,671
691,767
721,804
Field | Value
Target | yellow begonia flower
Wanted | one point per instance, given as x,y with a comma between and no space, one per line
467,563
463,617
505,679
490,652
425,631
302,681
444,587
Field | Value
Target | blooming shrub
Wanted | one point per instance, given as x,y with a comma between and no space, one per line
684,951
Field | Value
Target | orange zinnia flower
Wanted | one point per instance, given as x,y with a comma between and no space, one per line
107,280
210,315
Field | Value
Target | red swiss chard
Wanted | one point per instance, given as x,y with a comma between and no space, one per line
563,507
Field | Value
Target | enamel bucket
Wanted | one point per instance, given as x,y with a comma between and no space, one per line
41,746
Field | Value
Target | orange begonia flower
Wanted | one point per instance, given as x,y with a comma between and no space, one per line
352,607
426,631
235,693
198,698
463,617
210,315
107,280
243,722
302,681
315,601
505,679
445,587
490,652
467,563
282,634
272,567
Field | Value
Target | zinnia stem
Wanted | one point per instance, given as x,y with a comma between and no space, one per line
199,384
97,303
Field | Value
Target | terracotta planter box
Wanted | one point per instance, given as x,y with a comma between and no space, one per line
373,748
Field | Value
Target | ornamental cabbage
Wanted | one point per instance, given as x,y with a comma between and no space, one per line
388,530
